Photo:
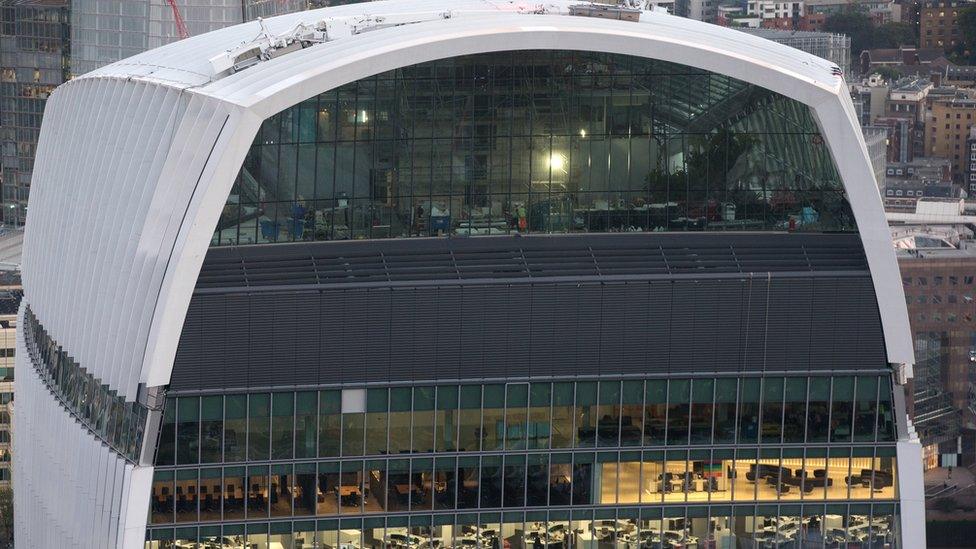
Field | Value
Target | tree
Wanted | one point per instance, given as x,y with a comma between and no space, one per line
892,35
854,22
6,517
965,52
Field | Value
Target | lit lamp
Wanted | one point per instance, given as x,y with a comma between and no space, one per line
557,162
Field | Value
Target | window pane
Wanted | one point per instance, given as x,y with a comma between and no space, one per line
866,407
235,427
818,418
306,409
401,403
211,428
586,414
423,419
725,396
516,415
330,423
376,419
493,421
795,410
469,419
446,421
166,449
188,431
632,413
843,403
678,408
563,412
772,414
655,408
701,411
608,426
540,396
258,426
282,425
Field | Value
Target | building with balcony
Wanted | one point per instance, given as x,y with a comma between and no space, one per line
462,274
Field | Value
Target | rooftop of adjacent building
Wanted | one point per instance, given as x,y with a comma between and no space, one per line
933,211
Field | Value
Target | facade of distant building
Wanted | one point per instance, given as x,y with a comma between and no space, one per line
699,10
876,140
879,10
46,42
969,180
923,177
907,99
940,292
959,75
939,24
771,9
34,59
901,136
813,22
431,284
10,296
8,343
870,98
948,130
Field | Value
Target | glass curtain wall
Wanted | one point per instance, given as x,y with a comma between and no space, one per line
539,142
400,454
866,526
525,416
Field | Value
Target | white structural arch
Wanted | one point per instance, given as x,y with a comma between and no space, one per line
136,161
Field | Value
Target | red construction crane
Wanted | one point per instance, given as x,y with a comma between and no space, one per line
178,18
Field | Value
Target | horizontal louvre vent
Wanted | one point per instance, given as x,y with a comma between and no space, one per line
507,258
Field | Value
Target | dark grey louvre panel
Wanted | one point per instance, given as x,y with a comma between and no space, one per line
510,331
528,257
509,308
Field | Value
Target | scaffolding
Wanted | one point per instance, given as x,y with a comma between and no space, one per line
835,48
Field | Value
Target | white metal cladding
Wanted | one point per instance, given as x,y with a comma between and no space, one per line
71,489
136,160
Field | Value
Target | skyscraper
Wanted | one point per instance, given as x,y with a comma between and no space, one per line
46,42
454,274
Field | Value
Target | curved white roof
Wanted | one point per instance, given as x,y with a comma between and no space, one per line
136,161
186,63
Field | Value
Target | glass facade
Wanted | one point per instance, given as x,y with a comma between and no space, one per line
861,525
596,446
118,423
34,59
104,32
540,142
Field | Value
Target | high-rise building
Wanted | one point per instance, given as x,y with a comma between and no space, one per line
462,274
34,59
46,42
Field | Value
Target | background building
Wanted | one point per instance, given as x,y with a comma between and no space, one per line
970,174
939,24
948,130
46,42
34,59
